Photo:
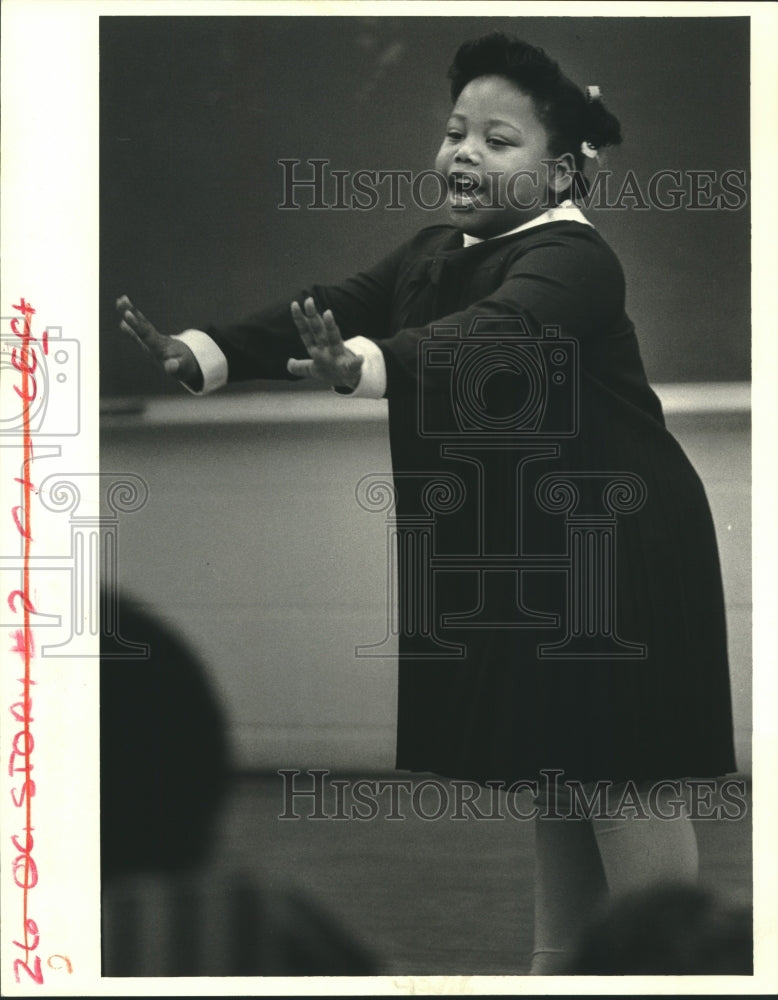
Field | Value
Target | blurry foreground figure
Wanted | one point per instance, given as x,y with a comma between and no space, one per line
169,908
671,930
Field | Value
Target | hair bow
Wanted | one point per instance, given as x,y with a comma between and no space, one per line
593,94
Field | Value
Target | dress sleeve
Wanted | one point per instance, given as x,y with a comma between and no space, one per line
574,283
259,346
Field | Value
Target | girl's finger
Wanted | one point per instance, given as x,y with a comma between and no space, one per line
139,320
331,330
354,366
315,323
125,327
129,319
303,327
140,326
303,369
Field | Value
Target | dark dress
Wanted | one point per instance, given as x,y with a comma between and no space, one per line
560,597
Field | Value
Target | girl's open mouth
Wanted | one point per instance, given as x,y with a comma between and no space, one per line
463,190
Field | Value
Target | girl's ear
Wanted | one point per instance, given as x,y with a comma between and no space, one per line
560,173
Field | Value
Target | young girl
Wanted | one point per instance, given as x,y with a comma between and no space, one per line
577,623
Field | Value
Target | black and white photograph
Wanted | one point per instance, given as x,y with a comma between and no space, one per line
383,517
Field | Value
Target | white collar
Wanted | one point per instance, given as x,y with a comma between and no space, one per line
566,212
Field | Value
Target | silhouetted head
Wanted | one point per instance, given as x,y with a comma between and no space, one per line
163,751
679,930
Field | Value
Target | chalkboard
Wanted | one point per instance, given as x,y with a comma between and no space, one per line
198,113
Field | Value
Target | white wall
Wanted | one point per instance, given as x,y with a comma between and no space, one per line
253,545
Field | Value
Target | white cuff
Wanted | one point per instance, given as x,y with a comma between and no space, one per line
372,382
209,357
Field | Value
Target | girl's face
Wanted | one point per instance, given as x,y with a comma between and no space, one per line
492,157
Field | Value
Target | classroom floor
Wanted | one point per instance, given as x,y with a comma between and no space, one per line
427,897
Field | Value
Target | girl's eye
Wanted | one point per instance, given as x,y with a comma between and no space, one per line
453,135
494,141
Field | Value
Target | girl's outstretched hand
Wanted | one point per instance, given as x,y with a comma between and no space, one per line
330,360
174,356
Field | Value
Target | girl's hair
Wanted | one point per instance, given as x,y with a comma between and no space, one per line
562,108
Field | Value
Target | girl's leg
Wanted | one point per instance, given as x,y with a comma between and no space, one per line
579,862
569,883
641,850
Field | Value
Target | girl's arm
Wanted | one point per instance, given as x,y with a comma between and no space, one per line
572,282
260,346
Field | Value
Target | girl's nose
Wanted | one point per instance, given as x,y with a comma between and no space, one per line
466,153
